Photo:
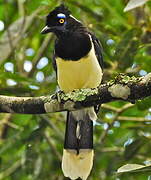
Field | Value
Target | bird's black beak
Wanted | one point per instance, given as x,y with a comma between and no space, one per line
46,30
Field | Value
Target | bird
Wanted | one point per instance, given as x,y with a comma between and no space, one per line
78,63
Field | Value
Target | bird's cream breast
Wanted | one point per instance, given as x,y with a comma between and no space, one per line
83,73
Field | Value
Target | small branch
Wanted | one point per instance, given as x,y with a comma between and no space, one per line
112,149
52,146
110,125
121,88
40,53
10,170
125,107
21,9
109,107
87,10
53,126
138,119
4,125
115,109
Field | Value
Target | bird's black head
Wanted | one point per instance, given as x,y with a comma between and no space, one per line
57,20
60,21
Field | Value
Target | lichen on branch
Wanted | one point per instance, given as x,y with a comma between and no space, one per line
122,87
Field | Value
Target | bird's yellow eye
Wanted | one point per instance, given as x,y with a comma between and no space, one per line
61,21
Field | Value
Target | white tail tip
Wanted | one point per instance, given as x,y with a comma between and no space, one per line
77,166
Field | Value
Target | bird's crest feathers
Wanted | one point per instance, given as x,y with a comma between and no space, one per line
61,9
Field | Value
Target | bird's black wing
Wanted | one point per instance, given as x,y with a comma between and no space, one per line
54,61
98,53
98,49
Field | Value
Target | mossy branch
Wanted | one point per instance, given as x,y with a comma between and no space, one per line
121,88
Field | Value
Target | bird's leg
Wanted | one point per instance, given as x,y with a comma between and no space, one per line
57,95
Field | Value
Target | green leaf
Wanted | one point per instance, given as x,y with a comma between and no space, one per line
16,31
133,4
144,104
129,168
133,148
133,168
126,49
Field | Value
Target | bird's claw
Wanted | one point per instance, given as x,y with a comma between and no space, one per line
58,95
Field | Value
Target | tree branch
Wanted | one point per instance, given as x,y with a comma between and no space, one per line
121,88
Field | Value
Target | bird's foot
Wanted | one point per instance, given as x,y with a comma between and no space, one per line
57,95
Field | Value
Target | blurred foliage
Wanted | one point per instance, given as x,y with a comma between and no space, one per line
31,145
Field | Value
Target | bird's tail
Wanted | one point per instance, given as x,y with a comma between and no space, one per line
78,151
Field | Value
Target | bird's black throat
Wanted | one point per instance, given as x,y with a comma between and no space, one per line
73,46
